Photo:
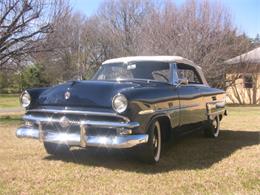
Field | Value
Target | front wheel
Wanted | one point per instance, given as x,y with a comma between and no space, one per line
212,128
56,149
151,151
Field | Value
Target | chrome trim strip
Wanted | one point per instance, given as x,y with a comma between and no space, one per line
142,112
79,112
129,125
74,139
177,108
108,124
174,108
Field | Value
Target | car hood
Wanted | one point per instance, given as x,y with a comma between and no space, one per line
91,94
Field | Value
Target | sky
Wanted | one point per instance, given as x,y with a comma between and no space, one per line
245,13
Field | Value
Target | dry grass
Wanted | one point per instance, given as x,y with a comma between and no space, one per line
193,164
9,101
10,106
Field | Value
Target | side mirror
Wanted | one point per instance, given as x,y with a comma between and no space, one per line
183,81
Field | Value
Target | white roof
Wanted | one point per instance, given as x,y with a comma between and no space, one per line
167,59
252,56
150,58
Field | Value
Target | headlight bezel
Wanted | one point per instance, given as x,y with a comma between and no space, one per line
26,95
123,98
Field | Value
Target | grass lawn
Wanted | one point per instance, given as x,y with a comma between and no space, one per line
9,101
191,165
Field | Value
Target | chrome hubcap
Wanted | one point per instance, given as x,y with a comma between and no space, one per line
155,142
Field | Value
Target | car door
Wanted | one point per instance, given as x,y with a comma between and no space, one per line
192,110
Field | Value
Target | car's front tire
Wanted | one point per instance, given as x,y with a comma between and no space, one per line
212,128
151,151
55,149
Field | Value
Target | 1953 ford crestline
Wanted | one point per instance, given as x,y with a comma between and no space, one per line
137,102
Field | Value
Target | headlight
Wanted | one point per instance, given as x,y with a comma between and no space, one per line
25,99
119,103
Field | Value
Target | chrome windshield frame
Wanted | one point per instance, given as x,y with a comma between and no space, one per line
134,79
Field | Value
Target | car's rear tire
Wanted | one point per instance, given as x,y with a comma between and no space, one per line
56,149
212,128
151,151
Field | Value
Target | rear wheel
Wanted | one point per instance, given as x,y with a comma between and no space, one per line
151,151
56,149
212,128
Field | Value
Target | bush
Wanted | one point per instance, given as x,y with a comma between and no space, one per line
32,76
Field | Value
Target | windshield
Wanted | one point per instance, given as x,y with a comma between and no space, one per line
148,70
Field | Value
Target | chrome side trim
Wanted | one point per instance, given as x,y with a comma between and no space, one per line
142,112
174,108
79,112
75,139
108,124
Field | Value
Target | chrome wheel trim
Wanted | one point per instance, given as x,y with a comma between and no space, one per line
215,124
157,142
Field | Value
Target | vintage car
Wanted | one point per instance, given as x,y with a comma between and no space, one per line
131,102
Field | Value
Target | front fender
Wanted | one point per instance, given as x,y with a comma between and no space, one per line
35,93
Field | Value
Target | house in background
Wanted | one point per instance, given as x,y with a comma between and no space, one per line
243,78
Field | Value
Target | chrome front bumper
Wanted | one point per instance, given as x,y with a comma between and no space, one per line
81,138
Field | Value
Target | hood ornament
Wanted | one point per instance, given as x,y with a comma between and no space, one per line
67,95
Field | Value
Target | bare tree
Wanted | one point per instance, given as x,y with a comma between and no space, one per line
22,24
122,22
198,30
63,54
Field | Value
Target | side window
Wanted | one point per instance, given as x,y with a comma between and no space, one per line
153,70
188,72
161,75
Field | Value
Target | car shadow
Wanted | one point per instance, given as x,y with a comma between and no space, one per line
188,152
